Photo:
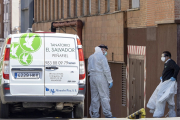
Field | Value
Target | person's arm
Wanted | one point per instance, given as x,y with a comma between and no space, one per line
176,69
106,70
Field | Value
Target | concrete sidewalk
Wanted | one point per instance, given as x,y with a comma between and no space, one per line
172,118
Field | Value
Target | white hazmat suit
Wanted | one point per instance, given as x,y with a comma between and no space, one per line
100,77
164,92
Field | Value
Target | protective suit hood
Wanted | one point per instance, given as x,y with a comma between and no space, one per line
98,50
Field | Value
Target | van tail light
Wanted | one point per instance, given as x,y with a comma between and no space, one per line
81,88
78,41
81,65
7,88
6,60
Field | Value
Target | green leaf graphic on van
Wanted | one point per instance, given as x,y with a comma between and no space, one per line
25,59
30,42
15,51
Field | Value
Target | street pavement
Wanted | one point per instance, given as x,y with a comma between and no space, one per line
51,118
33,115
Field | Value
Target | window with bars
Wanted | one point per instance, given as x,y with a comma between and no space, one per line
69,8
62,8
118,5
134,4
82,7
89,7
75,8
99,6
124,94
107,6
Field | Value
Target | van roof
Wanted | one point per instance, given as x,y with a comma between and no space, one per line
48,34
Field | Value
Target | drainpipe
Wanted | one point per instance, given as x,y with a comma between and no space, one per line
76,23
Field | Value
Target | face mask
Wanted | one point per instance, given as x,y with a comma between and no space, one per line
163,59
105,53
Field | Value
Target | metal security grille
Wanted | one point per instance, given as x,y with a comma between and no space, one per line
124,95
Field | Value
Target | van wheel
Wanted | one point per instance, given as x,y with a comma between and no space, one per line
4,110
79,110
67,115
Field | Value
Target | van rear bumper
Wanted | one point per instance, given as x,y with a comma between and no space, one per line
78,98
6,97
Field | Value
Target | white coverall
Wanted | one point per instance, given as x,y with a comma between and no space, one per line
100,76
164,92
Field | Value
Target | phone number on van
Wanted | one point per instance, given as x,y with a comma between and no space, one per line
56,62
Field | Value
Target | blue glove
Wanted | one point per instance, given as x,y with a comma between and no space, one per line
161,78
110,85
172,79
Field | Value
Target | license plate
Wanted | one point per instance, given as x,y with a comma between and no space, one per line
27,75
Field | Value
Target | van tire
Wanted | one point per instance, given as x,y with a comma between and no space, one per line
4,110
67,115
79,110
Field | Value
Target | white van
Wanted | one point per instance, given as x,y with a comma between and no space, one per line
44,71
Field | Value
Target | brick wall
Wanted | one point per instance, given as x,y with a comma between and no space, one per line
72,8
112,5
106,29
102,10
56,9
137,18
79,7
48,10
164,10
85,7
177,9
52,9
159,11
94,9
150,13
65,9
124,5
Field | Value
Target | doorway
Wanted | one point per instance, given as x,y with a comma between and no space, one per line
136,83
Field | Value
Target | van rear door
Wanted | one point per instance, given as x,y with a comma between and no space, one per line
27,64
61,64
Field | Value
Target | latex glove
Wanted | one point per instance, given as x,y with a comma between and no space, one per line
172,79
110,85
161,78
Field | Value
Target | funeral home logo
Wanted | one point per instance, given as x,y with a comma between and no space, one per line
28,43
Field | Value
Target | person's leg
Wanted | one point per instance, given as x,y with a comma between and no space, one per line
103,89
95,100
159,110
171,106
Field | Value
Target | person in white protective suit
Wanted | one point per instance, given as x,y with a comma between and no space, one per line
166,90
100,83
